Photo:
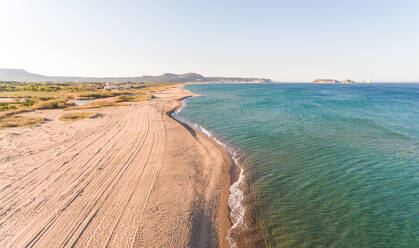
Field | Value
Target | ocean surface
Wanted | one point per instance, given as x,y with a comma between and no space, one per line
331,165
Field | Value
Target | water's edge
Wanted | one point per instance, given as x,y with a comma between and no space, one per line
237,194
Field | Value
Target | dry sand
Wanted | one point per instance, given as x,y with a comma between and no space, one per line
134,177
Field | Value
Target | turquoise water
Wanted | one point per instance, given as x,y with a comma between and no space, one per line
333,165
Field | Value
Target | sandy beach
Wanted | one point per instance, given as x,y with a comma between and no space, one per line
133,177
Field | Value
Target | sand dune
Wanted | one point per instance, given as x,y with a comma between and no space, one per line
131,178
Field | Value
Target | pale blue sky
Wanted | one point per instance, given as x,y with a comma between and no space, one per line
283,40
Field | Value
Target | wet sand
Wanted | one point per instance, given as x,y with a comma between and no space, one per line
134,177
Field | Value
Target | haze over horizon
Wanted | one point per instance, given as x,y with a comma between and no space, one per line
281,40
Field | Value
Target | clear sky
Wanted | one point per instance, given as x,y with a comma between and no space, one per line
292,40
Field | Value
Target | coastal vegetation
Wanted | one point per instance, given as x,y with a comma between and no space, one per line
51,104
135,98
100,103
19,121
78,116
21,97
113,101
10,109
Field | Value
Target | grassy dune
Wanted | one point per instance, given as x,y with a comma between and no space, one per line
78,116
50,104
19,121
106,102
135,98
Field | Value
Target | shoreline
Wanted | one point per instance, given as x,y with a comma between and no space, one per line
235,172
133,177
224,225
247,228
236,175
236,198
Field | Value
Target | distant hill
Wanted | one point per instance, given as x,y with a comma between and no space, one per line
24,76
19,75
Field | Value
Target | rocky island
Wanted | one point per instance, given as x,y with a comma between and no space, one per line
332,81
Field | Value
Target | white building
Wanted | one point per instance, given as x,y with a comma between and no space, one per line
110,86
114,86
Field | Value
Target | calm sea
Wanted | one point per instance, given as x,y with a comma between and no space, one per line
331,165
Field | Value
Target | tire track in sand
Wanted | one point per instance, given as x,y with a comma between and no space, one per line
105,194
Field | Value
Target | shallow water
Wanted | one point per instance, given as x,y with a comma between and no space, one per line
7,99
333,165
81,102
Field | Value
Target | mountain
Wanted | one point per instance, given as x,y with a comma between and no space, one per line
19,75
24,76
